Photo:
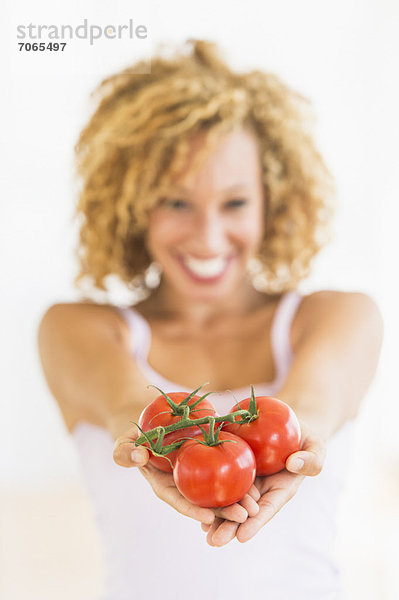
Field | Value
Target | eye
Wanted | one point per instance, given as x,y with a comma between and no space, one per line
177,204
235,203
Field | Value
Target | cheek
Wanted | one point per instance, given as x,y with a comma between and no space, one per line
250,231
164,232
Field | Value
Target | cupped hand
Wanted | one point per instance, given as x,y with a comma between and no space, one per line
126,454
275,491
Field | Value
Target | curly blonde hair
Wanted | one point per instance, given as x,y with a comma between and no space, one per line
137,141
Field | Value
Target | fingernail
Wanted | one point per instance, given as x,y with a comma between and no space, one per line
297,463
137,456
210,519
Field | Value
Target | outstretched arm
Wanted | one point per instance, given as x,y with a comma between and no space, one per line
85,354
338,343
336,339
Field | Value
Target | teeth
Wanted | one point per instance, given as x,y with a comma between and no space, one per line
210,267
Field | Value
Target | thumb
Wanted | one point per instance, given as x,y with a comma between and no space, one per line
308,461
126,453
139,456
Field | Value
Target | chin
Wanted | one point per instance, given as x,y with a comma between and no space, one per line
211,292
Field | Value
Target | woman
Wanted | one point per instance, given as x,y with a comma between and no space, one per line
212,177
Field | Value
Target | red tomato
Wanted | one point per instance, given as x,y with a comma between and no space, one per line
158,412
211,476
273,436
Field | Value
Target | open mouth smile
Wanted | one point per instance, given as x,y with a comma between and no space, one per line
208,269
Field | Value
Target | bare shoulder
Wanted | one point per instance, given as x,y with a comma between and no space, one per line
88,317
330,309
331,300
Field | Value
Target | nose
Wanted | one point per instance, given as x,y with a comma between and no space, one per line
210,232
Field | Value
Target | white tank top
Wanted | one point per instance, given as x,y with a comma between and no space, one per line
151,551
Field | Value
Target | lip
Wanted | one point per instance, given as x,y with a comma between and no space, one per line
205,280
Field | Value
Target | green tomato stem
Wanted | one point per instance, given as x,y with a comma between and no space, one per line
183,410
186,422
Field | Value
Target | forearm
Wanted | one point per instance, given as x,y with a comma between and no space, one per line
335,362
319,392
121,420
320,411
89,369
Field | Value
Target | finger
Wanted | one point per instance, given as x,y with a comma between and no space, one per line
254,492
309,460
185,507
126,453
224,533
269,505
218,521
247,530
234,512
250,505
205,526
258,485
165,488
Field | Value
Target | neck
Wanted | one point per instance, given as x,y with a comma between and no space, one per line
200,312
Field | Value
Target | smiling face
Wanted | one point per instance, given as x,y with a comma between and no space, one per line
204,233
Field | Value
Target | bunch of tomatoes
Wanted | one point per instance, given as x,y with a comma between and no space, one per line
215,466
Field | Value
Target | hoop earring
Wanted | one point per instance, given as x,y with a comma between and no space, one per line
152,275
255,272
254,267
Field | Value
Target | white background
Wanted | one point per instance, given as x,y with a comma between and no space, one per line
343,56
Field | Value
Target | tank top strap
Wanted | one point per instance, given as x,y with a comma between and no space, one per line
140,332
280,334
